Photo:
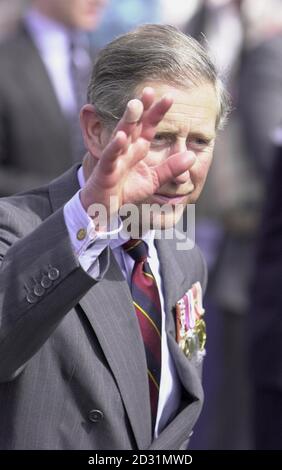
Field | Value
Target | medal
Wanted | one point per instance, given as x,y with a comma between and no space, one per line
190,325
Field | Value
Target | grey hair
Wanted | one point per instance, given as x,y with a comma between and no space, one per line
150,53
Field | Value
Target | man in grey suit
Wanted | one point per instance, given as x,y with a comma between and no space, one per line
73,368
45,65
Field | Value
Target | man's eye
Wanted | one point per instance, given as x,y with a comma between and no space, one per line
162,139
198,142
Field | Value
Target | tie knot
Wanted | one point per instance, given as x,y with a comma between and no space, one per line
137,249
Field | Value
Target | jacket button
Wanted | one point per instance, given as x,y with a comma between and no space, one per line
53,274
39,290
31,298
95,416
46,282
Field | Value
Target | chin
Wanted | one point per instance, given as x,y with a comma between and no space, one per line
152,217
165,220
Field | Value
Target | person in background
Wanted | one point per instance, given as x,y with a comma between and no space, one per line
100,347
45,67
264,322
10,13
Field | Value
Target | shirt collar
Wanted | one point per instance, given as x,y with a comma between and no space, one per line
80,177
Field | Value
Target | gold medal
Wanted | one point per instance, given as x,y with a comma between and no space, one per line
200,330
190,346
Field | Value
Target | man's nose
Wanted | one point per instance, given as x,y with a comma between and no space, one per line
179,146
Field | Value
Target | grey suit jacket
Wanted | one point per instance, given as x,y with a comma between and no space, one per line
72,363
34,133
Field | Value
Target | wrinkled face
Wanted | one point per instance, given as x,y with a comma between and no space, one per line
188,125
81,14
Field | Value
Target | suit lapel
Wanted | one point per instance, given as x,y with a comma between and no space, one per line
175,284
173,280
63,188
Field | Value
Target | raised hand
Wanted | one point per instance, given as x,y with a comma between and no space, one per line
122,171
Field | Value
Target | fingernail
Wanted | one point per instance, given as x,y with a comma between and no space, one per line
133,112
148,89
168,96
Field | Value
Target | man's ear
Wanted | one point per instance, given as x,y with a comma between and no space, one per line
93,130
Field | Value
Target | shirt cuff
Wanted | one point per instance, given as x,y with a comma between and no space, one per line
87,243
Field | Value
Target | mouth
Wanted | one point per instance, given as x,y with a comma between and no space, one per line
169,198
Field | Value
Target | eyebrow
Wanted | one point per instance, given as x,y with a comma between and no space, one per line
166,131
203,134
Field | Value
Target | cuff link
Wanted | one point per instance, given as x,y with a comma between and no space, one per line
81,234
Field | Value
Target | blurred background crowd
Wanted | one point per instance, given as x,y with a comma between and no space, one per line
46,51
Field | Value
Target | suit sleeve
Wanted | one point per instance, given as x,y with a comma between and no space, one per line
41,280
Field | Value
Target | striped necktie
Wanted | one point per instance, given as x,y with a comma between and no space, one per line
147,305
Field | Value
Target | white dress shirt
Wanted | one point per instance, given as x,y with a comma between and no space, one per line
88,251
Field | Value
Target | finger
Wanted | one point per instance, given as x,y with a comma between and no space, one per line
147,97
182,178
113,150
174,166
130,118
154,115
